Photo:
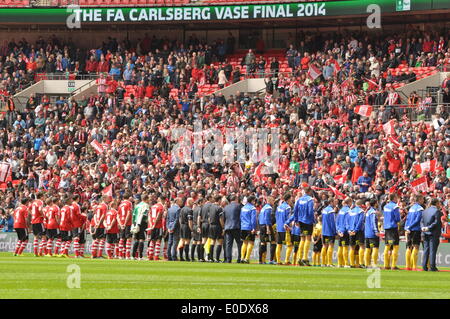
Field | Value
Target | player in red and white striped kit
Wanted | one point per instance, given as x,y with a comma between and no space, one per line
21,225
112,230
99,229
37,225
53,217
124,222
65,227
155,230
78,221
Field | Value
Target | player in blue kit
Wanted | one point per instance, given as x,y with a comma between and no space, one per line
413,231
356,231
391,213
304,215
343,237
248,228
328,233
283,233
371,234
265,228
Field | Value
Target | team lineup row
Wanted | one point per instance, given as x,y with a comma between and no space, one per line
188,226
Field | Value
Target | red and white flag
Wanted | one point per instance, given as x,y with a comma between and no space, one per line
389,128
420,185
337,193
268,98
5,170
108,191
340,179
364,110
258,172
428,166
97,146
394,142
314,72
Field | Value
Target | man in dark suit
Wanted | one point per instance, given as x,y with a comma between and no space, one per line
431,229
232,216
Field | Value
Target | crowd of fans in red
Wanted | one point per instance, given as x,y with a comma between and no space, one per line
324,142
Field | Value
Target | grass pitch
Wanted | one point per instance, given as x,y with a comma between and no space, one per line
31,277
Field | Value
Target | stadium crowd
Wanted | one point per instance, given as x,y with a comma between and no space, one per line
325,141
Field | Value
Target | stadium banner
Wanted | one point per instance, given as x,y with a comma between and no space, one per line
8,244
212,13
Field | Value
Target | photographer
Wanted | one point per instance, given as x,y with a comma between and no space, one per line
6,221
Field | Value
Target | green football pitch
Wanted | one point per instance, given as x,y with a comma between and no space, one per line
44,277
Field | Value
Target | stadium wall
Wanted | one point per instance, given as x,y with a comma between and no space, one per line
8,244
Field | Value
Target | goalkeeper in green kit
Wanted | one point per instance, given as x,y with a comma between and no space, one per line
140,216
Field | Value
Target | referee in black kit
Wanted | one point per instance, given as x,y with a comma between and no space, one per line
232,216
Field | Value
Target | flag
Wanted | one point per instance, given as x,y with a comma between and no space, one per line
314,72
337,67
337,193
420,185
394,142
364,110
108,191
97,146
267,98
340,179
238,170
5,170
389,128
428,166
258,172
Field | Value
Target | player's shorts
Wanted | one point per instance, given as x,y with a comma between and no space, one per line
372,242
215,232
52,233
140,235
344,240
357,239
284,238
112,238
76,232
247,235
185,231
295,240
391,236
306,229
205,230
22,233
196,235
155,234
82,236
317,248
99,234
264,237
66,235
328,239
125,233
414,238
38,229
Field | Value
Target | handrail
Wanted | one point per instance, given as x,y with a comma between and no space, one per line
75,92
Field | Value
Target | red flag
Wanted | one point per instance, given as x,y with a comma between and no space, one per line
420,185
337,67
337,193
314,72
428,166
267,98
97,146
389,128
364,110
258,172
394,142
108,191
340,179
5,170
238,170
